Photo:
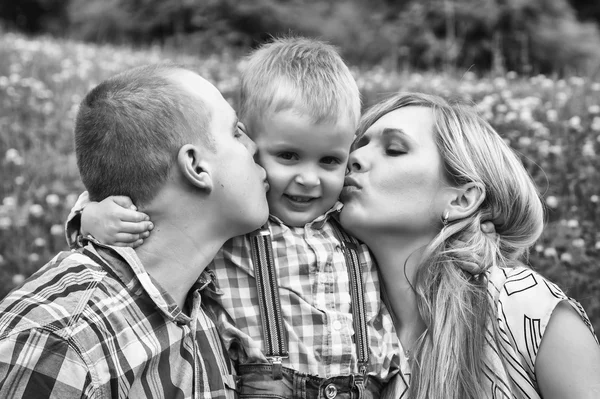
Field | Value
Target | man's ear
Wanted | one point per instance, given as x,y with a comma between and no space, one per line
465,200
194,167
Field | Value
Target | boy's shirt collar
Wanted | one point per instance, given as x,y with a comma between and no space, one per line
318,222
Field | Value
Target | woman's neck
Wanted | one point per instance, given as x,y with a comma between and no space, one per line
398,260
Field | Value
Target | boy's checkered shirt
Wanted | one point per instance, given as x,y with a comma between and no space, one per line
315,300
77,329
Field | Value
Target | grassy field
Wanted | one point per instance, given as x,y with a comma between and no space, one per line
553,123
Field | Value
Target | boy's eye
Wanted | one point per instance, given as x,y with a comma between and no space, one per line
288,156
330,161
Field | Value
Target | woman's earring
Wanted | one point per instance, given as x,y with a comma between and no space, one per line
445,218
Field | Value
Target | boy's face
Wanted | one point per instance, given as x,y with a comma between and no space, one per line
305,163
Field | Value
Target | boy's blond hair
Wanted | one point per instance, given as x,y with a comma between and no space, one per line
298,73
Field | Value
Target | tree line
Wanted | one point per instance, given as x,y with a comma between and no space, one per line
534,36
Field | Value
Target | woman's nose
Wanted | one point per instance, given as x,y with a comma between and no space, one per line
354,163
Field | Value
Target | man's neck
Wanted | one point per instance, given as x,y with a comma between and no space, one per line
176,256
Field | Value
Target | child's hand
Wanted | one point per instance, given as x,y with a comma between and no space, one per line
116,221
489,229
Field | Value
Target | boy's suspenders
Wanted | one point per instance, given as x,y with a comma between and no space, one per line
270,309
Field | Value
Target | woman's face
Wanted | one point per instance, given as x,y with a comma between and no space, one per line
395,179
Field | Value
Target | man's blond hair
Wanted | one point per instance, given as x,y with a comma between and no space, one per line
306,75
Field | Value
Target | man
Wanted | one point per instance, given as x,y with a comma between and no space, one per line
118,322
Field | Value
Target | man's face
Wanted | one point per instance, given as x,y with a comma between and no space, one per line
239,183
305,164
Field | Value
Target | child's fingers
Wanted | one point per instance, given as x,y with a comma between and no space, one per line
123,201
145,234
135,228
126,238
128,215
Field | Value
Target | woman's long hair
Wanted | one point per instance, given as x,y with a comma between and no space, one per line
450,282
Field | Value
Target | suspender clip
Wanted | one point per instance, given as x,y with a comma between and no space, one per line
276,369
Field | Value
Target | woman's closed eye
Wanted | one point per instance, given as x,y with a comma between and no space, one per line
395,151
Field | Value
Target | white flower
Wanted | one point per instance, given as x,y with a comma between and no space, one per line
5,223
594,109
56,230
575,122
524,141
597,246
550,252
9,202
578,243
539,248
36,210
39,242
19,180
552,115
573,223
33,257
594,198
588,149
18,279
552,202
566,257
596,123
52,199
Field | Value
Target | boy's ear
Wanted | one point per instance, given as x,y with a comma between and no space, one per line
465,200
194,168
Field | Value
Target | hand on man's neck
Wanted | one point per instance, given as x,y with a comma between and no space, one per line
180,246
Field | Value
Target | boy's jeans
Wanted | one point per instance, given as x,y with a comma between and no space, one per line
256,381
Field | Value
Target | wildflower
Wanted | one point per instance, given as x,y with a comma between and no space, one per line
594,109
596,86
575,122
552,202
594,198
539,248
39,242
71,199
596,123
597,246
578,243
588,149
1,260
573,224
511,116
18,279
555,149
5,223
36,210
33,257
52,200
524,141
56,230
19,180
552,115
13,156
501,108
511,75
566,257
9,202
550,252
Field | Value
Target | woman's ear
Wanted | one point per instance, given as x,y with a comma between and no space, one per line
465,201
194,168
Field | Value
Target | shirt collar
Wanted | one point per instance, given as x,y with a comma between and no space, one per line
127,267
319,221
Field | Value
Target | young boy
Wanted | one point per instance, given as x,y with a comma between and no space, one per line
315,324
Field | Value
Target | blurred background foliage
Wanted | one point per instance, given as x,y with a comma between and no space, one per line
531,67
529,36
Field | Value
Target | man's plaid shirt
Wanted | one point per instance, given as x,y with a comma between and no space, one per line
82,329
315,300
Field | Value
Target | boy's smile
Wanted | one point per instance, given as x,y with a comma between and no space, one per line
305,163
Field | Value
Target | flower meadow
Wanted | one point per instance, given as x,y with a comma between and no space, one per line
553,124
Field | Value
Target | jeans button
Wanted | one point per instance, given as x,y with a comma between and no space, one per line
330,391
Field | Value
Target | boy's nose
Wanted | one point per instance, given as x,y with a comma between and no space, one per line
307,177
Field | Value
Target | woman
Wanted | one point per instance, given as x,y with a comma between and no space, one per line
473,321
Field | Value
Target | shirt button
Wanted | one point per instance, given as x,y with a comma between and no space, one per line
330,391
337,325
